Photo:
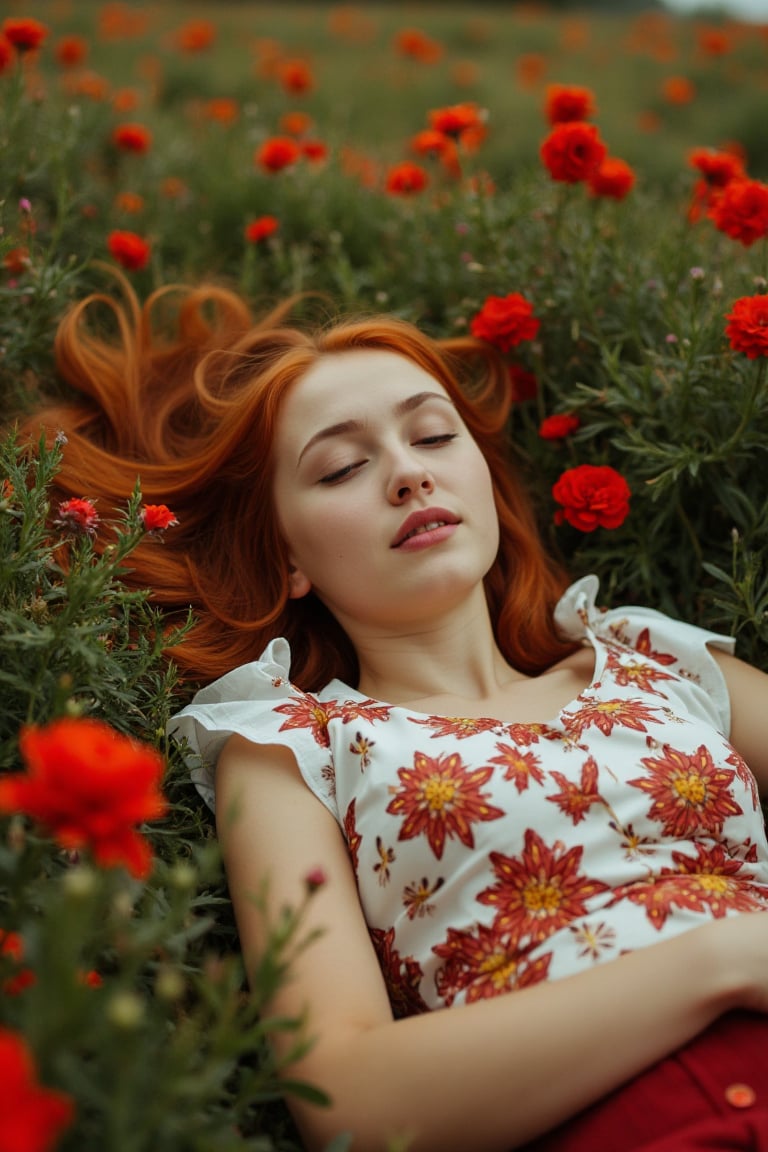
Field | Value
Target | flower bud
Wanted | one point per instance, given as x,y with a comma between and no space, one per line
125,1010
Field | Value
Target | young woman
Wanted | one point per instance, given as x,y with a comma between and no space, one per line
544,860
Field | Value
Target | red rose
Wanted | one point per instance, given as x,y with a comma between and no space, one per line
558,426
24,33
89,787
32,1117
505,321
132,137
568,102
573,151
77,515
261,228
592,496
277,153
741,210
613,178
129,249
747,328
157,517
405,179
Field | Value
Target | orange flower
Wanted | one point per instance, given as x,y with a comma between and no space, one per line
295,123
741,211
125,100
261,228
77,515
16,261
747,328
592,496
296,76
531,68
457,119
89,84
89,787
558,426
714,41
196,36
430,142
222,109
417,45
71,51
157,517
276,153
24,33
129,249
31,1117
172,188
129,202
678,90
505,321
132,137
573,151
406,179
568,102
118,21
613,178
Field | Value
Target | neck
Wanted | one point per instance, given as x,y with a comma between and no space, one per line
456,655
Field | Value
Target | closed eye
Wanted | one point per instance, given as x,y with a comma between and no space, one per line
444,438
341,473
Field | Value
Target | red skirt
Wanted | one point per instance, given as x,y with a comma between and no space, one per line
710,1096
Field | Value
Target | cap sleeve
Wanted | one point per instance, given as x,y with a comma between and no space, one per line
257,701
682,648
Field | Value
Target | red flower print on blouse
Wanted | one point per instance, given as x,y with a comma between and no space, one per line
540,891
458,726
306,712
636,673
417,897
486,963
349,710
521,767
574,799
644,647
606,714
745,775
441,797
402,975
691,794
352,836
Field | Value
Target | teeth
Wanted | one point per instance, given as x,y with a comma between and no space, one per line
425,528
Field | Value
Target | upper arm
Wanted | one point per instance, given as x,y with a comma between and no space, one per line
748,691
274,832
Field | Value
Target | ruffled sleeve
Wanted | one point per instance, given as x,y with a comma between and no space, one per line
257,701
681,648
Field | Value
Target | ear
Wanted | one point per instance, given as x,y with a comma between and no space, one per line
298,584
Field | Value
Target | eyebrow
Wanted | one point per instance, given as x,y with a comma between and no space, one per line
409,404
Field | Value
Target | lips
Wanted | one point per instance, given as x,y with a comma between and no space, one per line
424,520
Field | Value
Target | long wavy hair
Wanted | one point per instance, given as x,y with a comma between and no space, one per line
190,408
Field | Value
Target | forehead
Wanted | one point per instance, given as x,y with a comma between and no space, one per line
359,384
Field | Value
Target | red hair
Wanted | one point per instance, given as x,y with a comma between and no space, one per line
192,413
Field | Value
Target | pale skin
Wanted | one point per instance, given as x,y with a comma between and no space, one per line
353,464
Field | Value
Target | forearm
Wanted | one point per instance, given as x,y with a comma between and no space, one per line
515,1066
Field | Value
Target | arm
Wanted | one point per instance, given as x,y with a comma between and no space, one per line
517,1064
748,690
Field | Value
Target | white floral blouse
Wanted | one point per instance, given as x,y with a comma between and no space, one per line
490,856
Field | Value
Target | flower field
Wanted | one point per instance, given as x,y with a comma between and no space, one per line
587,192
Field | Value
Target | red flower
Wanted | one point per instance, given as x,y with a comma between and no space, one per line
717,167
6,53
196,36
416,44
691,794
747,328
12,946
592,496
89,787
296,76
31,1117
157,517
741,211
405,179
71,51
457,119
558,426
613,178
430,142
523,384
314,879
24,33
277,153
132,137
16,261
678,90
261,228
568,102
573,151
313,150
77,515
129,249
505,321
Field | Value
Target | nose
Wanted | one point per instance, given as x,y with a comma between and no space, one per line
409,476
